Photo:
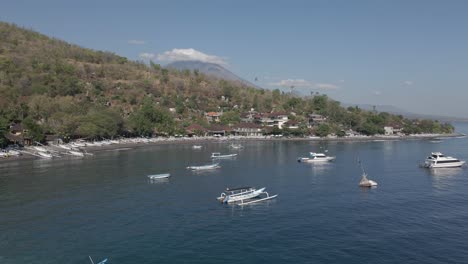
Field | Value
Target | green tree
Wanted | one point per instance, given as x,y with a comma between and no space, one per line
322,130
34,130
230,117
3,130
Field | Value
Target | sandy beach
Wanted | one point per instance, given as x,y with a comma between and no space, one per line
200,140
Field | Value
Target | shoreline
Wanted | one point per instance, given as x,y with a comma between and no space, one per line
201,140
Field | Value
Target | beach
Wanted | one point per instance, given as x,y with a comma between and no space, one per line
127,144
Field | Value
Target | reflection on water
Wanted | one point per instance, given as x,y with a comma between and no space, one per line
444,178
318,168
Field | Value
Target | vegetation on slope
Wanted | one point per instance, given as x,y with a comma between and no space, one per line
53,87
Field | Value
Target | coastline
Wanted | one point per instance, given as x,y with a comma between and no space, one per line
201,140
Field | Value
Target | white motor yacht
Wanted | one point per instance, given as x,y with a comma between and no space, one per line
439,160
316,157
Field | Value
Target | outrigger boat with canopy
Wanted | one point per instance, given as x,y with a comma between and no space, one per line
244,195
204,167
217,155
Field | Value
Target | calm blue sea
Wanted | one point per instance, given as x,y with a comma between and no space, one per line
64,210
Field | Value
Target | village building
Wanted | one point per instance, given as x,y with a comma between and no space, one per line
17,134
218,130
273,119
213,117
291,124
316,119
248,129
196,130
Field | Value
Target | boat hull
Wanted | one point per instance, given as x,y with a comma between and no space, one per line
159,176
444,165
243,196
316,160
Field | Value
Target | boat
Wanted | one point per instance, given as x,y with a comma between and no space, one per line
236,146
217,155
75,152
316,157
204,167
46,155
38,148
100,262
159,176
12,152
196,147
244,195
439,160
364,182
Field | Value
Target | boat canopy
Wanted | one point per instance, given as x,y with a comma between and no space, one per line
238,188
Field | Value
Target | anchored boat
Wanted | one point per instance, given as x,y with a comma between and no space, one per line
244,195
217,155
364,182
439,160
159,176
204,167
316,157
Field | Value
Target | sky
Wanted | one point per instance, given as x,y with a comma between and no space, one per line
411,54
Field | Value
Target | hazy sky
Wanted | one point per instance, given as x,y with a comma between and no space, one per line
412,54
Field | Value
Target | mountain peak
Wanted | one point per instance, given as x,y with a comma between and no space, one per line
211,69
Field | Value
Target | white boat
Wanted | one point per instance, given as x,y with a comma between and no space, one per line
64,146
217,155
159,176
366,182
38,148
236,146
204,167
46,155
196,147
75,152
244,195
78,144
439,160
316,157
3,154
12,152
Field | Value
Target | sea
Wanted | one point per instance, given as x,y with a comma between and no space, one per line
69,209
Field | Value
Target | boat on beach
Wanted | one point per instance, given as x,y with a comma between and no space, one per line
204,167
46,155
217,155
439,160
316,157
244,195
75,152
159,176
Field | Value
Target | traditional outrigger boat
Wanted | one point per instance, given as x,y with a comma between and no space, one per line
159,176
236,146
364,182
244,195
204,167
217,155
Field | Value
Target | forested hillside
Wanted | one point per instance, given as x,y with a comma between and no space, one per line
53,87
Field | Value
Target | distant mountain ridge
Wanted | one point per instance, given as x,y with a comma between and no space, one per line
211,69
398,111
